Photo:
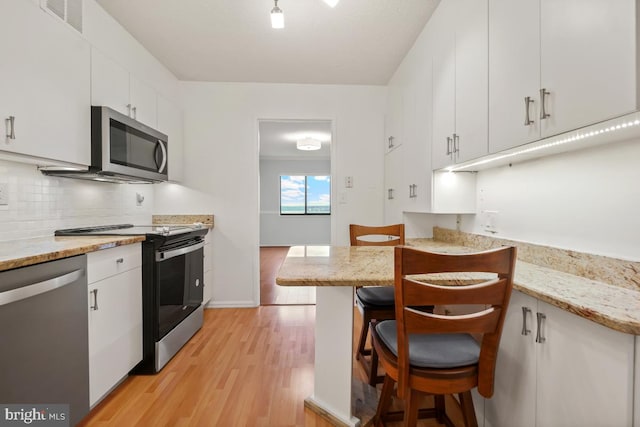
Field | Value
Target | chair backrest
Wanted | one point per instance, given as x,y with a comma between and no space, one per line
395,234
492,293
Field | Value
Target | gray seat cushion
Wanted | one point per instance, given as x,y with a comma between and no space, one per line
432,350
376,295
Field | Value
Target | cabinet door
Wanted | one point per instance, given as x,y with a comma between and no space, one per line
393,181
417,148
443,98
170,122
115,330
514,401
584,373
144,102
207,293
393,124
588,61
514,72
472,79
109,83
44,82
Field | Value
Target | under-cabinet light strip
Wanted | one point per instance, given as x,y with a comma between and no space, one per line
577,137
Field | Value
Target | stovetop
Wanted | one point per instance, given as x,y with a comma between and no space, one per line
127,230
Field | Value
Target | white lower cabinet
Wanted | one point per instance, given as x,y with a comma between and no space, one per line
115,317
581,374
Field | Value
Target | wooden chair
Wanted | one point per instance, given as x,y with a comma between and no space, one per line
374,302
445,358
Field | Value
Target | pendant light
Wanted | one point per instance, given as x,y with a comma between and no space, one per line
277,16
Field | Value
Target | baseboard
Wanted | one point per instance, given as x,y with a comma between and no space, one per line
231,304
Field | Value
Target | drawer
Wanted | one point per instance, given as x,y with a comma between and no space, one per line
109,262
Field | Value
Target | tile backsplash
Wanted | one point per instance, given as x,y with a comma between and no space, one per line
38,204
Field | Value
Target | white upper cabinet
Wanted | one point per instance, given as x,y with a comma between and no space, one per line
460,82
393,121
170,122
558,65
113,86
44,82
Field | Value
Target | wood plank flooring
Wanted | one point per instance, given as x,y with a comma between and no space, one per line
245,367
271,258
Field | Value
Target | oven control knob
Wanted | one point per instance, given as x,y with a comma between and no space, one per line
197,282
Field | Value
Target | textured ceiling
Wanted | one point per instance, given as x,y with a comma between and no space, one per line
357,42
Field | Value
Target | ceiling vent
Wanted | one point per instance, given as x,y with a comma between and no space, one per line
70,11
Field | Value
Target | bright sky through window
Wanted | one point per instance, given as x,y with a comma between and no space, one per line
305,195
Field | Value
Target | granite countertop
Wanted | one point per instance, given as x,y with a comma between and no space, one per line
608,305
21,253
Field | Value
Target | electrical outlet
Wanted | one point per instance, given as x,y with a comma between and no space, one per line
4,194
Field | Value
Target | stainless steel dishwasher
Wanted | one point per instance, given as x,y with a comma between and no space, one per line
44,356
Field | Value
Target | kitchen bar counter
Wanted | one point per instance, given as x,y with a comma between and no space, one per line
336,270
608,305
20,253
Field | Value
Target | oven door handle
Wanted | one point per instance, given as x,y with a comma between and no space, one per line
165,255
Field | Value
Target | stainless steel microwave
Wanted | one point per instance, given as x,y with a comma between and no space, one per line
122,150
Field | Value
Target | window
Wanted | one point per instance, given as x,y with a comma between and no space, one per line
305,195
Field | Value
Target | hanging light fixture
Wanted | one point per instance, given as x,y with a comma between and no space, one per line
308,144
331,3
277,16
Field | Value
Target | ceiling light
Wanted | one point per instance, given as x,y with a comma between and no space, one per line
308,144
332,3
277,17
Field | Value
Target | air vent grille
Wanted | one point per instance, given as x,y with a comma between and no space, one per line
70,11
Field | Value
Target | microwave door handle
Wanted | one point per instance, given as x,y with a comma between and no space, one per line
164,156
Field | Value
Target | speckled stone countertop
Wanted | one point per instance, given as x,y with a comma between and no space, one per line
21,253
611,306
205,220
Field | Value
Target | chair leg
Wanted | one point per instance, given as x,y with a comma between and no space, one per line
385,400
468,411
363,335
440,408
411,408
373,373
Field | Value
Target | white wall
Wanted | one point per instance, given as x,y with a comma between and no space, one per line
221,161
585,200
39,205
283,230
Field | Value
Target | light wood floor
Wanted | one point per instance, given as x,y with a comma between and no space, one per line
245,367
271,258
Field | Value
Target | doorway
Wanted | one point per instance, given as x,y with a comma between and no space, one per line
295,199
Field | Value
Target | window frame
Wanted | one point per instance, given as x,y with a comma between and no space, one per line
306,213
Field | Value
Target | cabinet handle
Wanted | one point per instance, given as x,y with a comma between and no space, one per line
449,146
120,261
413,191
527,103
135,113
390,194
539,337
543,112
456,143
11,128
95,299
525,330
129,110
390,145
